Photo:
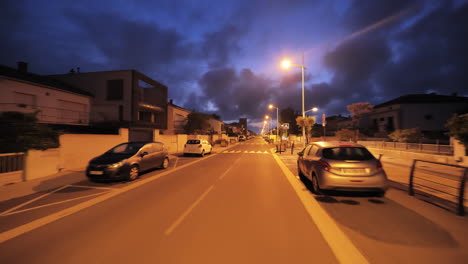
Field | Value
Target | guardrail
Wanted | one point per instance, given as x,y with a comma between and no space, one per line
461,184
11,162
416,147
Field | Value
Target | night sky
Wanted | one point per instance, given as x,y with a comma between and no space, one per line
223,56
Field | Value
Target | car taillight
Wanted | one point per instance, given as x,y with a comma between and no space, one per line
199,146
325,165
379,166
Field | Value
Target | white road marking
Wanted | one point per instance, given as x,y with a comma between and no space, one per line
187,212
33,200
340,244
50,204
17,231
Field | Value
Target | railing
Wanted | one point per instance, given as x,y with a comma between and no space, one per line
50,115
415,147
442,183
11,162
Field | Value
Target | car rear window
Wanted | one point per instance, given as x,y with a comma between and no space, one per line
347,153
193,141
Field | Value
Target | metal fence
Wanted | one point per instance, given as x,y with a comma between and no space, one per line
442,183
11,162
415,147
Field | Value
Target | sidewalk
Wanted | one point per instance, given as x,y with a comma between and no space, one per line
45,184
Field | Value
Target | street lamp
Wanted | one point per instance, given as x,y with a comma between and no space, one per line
287,64
277,122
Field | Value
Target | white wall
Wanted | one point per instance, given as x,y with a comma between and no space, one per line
48,100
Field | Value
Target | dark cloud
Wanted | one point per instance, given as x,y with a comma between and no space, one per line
416,54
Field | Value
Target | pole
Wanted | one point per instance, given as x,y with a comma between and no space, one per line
277,124
303,113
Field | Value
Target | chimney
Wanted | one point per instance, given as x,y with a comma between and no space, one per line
22,66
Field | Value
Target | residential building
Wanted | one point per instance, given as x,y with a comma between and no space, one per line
55,102
124,97
177,118
428,112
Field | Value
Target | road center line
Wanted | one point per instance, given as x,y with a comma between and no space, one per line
339,243
187,212
227,171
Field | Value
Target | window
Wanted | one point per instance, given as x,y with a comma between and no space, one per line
115,89
25,100
347,153
313,150
145,116
157,147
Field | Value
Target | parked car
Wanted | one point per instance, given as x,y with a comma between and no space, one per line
242,138
127,161
341,166
197,146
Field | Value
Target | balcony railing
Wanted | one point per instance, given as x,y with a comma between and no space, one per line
50,115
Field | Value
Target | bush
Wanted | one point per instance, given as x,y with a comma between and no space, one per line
21,132
411,135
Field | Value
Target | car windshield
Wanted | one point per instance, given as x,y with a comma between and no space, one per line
126,148
347,153
193,141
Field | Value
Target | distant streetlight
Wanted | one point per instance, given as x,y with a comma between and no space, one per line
277,122
286,64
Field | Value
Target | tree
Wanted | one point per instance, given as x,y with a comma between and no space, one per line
288,115
458,128
306,122
21,132
357,110
406,135
196,123
345,134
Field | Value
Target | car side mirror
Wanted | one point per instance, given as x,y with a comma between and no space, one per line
143,154
300,153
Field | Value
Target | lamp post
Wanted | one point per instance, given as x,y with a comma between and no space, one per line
277,121
286,64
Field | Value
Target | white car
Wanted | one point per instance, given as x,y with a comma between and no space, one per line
197,146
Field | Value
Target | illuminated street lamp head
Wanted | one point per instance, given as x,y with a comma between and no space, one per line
286,64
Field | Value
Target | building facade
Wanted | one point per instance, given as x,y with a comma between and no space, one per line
126,97
54,102
428,112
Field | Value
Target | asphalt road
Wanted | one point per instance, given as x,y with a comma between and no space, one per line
238,206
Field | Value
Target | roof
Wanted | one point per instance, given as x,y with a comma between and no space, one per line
424,99
42,80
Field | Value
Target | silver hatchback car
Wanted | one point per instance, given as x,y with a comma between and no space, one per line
341,166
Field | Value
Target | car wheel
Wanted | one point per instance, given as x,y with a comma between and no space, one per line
315,185
165,163
202,154
133,173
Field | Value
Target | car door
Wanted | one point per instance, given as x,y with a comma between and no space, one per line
145,157
300,158
158,154
310,161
